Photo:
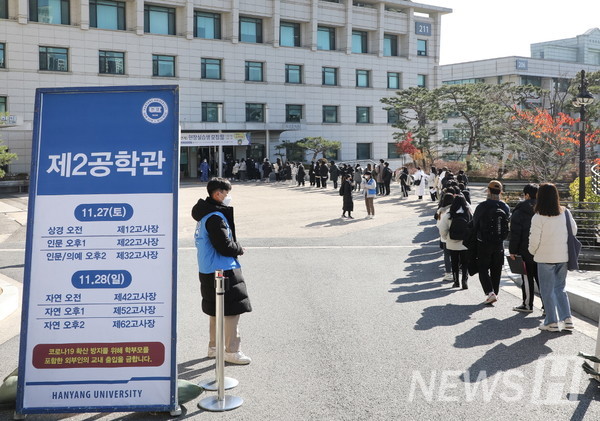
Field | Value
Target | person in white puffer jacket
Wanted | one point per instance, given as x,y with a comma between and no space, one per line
548,244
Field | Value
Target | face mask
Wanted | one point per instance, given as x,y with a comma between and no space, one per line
227,200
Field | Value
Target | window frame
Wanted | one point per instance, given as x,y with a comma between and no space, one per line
288,108
258,27
205,71
3,101
214,108
106,62
121,11
2,55
216,23
364,42
358,78
171,18
396,116
359,111
420,50
65,12
360,145
248,107
46,53
393,45
330,32
3,9
247,73
157,59
324,73
327,108
390,77
296,33
288,73
392,151
424,78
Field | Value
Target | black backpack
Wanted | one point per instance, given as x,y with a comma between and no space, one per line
459,226
494,226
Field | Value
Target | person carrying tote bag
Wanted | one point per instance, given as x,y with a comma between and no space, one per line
548,243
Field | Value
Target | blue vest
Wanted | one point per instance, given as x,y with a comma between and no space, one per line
209,259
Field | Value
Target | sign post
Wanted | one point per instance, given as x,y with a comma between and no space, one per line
98,330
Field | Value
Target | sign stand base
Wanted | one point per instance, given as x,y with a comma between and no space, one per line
176,412
17,416
213,404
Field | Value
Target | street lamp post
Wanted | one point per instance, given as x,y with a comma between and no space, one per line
581,100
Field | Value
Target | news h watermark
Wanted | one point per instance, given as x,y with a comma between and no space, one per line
555,380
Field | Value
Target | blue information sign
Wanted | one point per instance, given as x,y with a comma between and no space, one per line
99,328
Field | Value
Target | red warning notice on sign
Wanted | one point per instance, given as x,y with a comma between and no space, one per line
121,354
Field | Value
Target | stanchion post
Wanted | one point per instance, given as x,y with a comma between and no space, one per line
220,402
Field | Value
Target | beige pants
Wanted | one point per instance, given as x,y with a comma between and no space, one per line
232,334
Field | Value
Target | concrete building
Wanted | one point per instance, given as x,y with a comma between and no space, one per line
552,73
277,69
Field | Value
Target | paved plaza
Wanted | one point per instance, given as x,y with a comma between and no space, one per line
351,320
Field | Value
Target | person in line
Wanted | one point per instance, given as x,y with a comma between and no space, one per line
358,173
318,174
490,221
432,184
236,169
379,178
466,193
419,181
266,167
324,172
453,227
243,170
346,192
387,178
311,173
520,224
334,173
461,177
204,170
218,249
548,245
301,174
369,187
404,182
445,204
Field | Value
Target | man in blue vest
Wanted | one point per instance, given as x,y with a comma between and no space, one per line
218,249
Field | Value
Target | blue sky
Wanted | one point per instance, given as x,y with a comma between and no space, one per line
481,29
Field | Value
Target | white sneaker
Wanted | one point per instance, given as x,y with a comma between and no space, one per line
552,327
569,324
492,298
237,358
448,277
212,352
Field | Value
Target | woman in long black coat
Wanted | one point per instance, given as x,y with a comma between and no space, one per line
346,190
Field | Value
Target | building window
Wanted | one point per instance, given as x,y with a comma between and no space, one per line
49,11
330,114
54,59
159,20
3,9
422,81
207,25
255,112
293,73
393,116
531,80
392,151
112,63
363,114
393,80
254,71
289,34
210,68
163,66
421,47
325,38
390,45
561,85
210,112
251,30
330,76
293,113
3,107
363,151
2,55
362,78
107,14
359,42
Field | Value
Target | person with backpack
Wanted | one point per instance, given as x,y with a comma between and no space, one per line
454,227
444,208
419,182
490,222
369,187
518,245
